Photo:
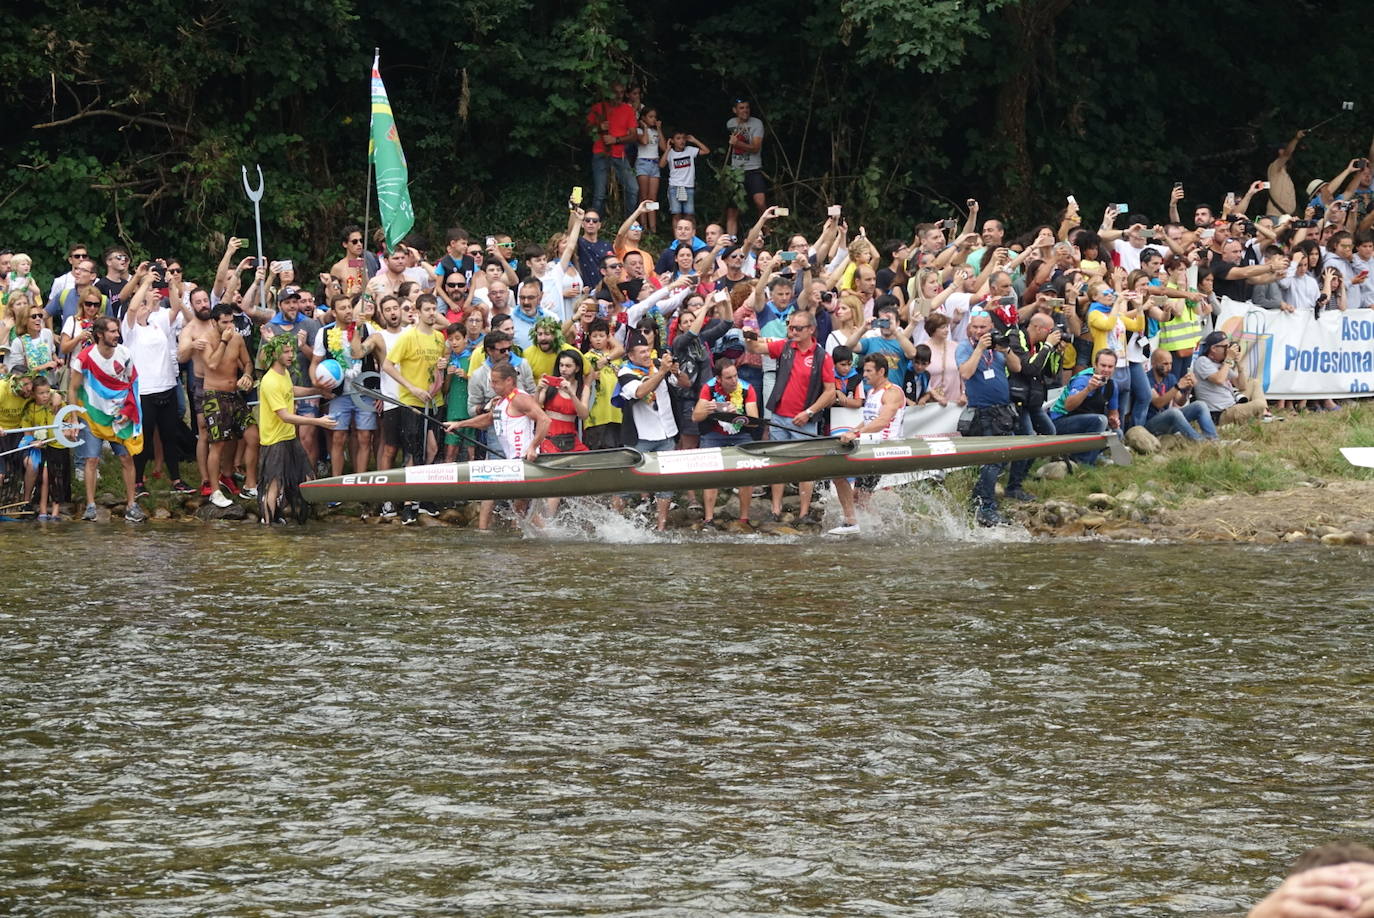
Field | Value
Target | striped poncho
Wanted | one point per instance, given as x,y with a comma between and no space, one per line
109,396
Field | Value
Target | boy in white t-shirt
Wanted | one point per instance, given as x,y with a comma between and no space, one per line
680,161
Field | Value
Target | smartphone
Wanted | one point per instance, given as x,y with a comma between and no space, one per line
882,323
1055,303
1072,200
949,225
1361,277
651,205
720,296
1158,300
1347,106
1147,234
1122,208
553,381
971,203
491,242
576,196
1177,185
784,211
1264,186
252,264
787,256
833,210
1230,198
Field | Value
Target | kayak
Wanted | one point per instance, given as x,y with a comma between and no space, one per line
625,470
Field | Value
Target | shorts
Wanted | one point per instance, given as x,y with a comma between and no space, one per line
754,182
197,394
91,445
786,430
391,426
227,415
346,412
647,167
412,436
309,408
656,446
682,413
602,436
709,440
682,199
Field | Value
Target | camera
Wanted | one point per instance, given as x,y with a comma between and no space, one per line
882,323
1008,300
828,296
160,270
1304,224
1001,338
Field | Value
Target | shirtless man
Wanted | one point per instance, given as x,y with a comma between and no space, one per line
391,277
520,424
228,375
351,270
193,344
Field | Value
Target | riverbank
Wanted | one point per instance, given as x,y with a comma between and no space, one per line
1283,481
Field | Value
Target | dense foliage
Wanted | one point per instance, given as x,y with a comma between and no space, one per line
131,122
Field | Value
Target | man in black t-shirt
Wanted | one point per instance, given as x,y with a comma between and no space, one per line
1231,278
116,281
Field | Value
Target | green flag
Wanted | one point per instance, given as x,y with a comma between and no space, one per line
389,163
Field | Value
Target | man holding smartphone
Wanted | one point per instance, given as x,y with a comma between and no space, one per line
746,155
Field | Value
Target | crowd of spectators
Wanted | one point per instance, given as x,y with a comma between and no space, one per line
596,339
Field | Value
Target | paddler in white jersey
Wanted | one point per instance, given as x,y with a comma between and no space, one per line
520,424
883,412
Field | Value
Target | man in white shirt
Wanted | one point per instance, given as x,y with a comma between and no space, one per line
150,332
647,409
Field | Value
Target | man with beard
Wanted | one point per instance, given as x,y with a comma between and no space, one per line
193,344
228,374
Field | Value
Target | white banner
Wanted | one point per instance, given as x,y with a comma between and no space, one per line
1297,356
930,419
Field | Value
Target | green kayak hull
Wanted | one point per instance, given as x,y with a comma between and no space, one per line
630,471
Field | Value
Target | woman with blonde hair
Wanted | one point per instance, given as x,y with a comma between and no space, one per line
847,319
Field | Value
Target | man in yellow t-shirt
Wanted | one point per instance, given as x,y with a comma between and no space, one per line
417,361
282,462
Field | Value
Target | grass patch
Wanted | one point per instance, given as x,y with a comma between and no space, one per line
1309,442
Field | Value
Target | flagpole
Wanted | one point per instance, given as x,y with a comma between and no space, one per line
367,194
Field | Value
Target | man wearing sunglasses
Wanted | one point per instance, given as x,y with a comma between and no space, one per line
118,284
357,265
591,250
60,285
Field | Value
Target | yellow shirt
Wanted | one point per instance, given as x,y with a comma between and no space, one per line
275,392
1103,327
545,363
416,354
602,411
12,403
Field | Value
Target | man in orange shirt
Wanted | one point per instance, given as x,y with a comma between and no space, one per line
612,123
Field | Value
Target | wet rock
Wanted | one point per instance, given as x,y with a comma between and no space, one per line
209,512
1093,522
1135,516
106,499
1147,501
1142,441
1342,538
1100,501
431,521
1053,471
451,515
742,527
162,513
1322,532
1296,536
1265,538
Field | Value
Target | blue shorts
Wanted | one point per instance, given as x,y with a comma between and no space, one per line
786,430
647,167
91,445
719,439
656,446
343,410
682,200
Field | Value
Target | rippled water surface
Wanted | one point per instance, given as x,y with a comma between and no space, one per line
205,721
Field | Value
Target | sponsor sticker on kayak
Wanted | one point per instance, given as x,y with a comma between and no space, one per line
891,452
446,473
682,461
759,462
941,447
497,470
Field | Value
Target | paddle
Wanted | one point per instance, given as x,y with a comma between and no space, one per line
380,396
1363,456
67,416
727,417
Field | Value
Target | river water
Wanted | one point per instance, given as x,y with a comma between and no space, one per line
351,721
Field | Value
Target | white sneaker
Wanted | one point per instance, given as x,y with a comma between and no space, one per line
845,529
219,500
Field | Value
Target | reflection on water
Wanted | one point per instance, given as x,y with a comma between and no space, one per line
433,723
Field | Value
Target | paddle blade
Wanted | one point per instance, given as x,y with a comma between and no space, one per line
1118,451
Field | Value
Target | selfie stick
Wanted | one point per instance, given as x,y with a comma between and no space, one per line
255,195
1333,117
